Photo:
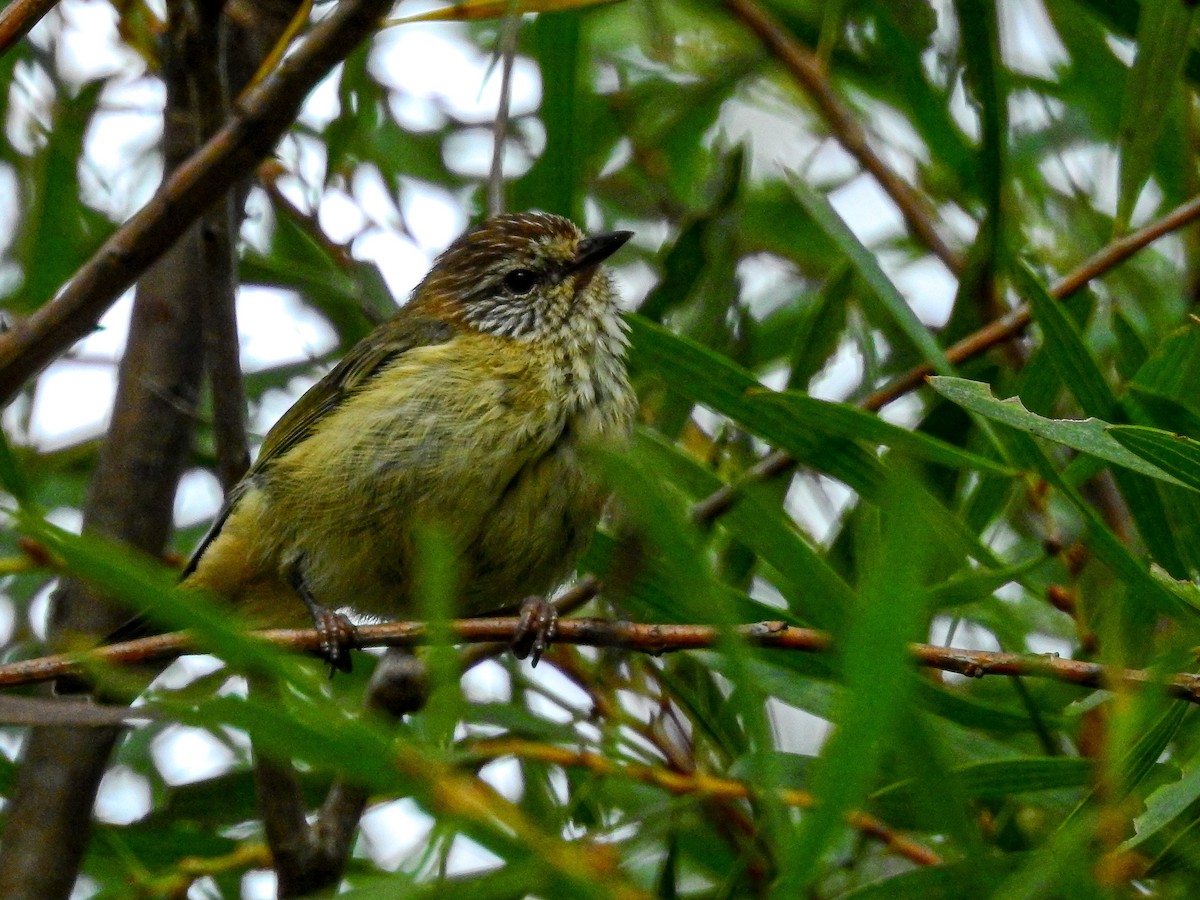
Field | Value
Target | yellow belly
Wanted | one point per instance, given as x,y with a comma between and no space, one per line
491,461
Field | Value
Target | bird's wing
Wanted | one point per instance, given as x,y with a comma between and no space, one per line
364,361
407,331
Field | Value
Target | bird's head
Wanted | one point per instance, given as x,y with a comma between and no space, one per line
524,276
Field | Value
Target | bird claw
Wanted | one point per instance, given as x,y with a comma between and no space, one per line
338,638
536,628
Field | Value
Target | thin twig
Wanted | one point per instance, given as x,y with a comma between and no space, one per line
807,69
264,113
508,51
645,638
695,784
975,344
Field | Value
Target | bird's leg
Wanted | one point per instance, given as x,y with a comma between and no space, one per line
338,634
539,622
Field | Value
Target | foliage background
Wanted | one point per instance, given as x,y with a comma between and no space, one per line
825,195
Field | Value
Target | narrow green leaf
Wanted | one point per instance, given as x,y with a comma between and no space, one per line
1080,372
1174,454
12,477
1166,804
1173,369
948,882
1088,436
814,591
971,585
819,328
847,421
987,81
552,183
715,381
1072,359
875,665
1164,27
866,266
1139,759
999,778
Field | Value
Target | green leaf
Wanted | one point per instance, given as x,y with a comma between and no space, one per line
1140,758
1000,778
1174,454
814,590
844,420
552,183
1081,373
12,477
1164,27
1075,364
1090,436
866,266
1166,804
1173,369
946,882
875,665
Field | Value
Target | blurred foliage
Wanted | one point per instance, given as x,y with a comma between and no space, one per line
778,289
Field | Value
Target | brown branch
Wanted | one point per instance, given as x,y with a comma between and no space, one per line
130,498
975,344
18,17
808,70
1009,326
645,638
218,228
264,113
695,784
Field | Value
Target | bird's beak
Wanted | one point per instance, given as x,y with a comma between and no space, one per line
594,250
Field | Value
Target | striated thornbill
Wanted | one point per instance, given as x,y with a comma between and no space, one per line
469,410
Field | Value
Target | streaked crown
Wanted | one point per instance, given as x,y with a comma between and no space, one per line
524,276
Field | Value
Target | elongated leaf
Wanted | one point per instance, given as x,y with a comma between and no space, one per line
847,421
1003,777
1163,45
936,882
866,266
11,475
1072,359
1138,760
1165,805
814,590
1175,454
875,667
1089,436
1081,373
1173,369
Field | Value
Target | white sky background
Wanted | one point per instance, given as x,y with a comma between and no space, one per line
74,399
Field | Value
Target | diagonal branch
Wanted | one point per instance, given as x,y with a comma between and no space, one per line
807,69
264,113
979,342
19,17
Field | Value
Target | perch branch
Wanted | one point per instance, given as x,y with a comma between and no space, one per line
645,638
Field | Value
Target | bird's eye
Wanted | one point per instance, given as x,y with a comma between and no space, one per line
520,281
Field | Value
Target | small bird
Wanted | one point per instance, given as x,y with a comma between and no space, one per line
469,411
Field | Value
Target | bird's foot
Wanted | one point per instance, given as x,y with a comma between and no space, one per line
338,634
536,629
338,637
